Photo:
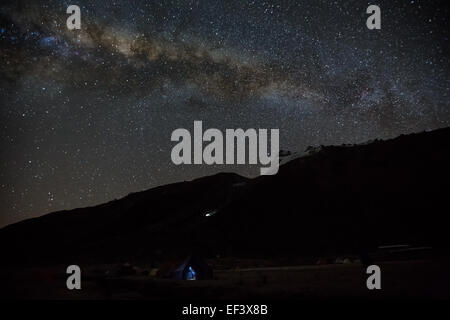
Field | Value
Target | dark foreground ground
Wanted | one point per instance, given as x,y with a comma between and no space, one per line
411,279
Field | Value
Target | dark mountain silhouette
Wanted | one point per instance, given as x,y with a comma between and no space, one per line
336,199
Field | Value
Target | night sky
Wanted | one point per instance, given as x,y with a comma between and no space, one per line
86,115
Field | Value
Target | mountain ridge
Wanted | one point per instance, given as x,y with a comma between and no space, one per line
331,200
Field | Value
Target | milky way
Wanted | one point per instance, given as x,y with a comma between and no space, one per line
86,115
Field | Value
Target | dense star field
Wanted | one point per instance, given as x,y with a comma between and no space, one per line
86,115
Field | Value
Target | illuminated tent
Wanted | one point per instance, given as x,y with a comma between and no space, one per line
193,268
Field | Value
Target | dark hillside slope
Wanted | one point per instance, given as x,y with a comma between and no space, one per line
346,198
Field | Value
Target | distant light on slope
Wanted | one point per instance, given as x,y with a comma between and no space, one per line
210,213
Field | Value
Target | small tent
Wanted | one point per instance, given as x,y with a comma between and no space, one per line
193,268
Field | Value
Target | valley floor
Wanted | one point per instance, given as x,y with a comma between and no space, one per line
410,279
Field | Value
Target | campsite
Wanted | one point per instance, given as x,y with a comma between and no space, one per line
421,277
